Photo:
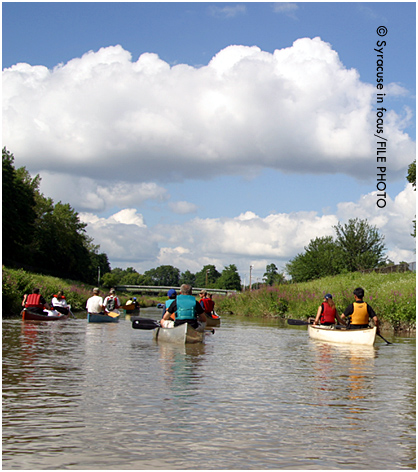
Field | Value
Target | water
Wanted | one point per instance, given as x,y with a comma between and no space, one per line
254,396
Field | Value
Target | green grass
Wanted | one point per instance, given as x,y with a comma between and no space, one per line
17,282
392,296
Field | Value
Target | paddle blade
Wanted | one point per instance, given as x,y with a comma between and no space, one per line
298,322
144,323
113,314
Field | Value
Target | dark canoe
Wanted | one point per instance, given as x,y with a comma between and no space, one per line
28,315
212,321
99,318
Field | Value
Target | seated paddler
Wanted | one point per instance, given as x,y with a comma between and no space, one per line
186,309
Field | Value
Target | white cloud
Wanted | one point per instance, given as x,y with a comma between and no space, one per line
87,194
246,239
228,11
105,117
182,208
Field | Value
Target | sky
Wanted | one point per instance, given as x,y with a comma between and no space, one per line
196,133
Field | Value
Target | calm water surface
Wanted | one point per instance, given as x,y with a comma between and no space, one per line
254,396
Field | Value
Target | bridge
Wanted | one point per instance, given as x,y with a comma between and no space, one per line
161,290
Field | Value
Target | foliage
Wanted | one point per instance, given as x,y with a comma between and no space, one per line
42,234
165,275
392,296
272,276
207,277
188,278
322,257
412,179
361,245
229,279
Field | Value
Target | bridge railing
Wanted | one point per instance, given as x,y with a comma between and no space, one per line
164,290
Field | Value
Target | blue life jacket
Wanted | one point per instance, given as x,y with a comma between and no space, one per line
186,307
168,303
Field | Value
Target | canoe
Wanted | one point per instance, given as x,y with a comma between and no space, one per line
363,337
213,322
99,318
28,315
183,334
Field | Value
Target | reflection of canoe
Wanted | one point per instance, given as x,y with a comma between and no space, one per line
183,334
28,315
99,318
364,337
213,322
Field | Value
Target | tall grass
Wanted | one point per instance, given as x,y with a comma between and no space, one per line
392,296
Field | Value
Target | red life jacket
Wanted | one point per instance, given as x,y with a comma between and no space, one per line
328,314
34,300
208,305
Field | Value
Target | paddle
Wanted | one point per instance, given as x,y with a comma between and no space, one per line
387,342
144,323
298,322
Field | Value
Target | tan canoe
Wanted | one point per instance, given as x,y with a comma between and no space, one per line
363,337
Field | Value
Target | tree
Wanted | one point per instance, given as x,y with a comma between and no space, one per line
229,279
271,276
207,277
412,179
322,257
361,245
165,275
187,278
18,210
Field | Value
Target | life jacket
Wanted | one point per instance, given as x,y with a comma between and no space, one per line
208,305
34,300
59,298
328,314
360,314
167,304
186,307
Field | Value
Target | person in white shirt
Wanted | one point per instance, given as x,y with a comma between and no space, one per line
95,303
111,302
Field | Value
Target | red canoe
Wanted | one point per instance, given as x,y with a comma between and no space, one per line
28,315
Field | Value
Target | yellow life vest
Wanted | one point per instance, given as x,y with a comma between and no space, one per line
360,315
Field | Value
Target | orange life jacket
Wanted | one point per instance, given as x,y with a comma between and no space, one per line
360,314
34,301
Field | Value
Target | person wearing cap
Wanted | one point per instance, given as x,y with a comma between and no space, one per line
111,302
359,312
172,295
95,304
135,302
327,312
186,309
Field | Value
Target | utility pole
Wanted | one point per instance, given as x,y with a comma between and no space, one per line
207,273
98,276
251,268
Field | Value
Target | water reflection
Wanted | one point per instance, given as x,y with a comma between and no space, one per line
181,367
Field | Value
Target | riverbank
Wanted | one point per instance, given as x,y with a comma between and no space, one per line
392,296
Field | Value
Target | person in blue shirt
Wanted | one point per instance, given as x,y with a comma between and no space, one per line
186,309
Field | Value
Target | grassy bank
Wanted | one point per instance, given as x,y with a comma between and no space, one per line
392,296
18,282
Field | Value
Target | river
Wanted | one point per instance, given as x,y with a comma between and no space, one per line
256,395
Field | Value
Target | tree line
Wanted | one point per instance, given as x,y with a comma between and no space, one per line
41,235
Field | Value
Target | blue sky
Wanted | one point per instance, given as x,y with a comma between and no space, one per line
181,136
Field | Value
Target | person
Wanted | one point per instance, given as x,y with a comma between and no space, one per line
186,309
35,301
359,312
207,303
95,303
111,302
135,302
60,303
168,323
327,312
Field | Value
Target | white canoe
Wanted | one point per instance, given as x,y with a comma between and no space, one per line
183,334
363,337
